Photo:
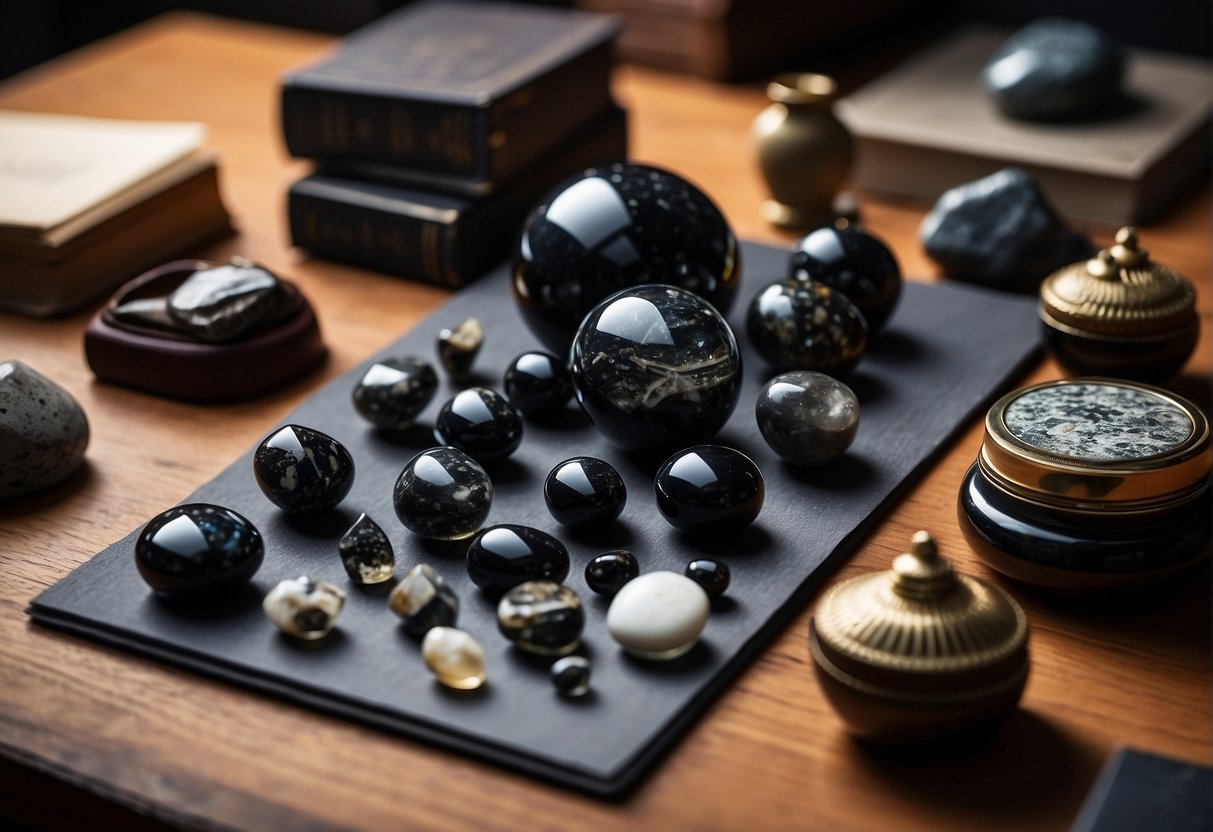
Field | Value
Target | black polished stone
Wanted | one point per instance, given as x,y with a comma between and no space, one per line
656,367
480,422
613,227
302,470
226,303
541,617
458,347
1056,69
709,489
584,491
850,260
538,383
501,557
806,417
607,573
799,325
571,675
442,494
712,575
197,548
394,390
366,552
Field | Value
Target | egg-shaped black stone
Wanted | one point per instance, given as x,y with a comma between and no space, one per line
442,494
501,557
854,262
302,470
656,367
197,548
607,573
480,422
617,226
584,491
801,325
709,489
538,383
394,390
712,575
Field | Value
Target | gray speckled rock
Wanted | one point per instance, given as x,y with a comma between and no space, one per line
1000,231
43,431
1056,69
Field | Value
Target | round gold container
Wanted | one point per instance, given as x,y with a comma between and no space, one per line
1120,314
919,653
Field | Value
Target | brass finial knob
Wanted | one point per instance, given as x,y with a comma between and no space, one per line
1104,266
1126,252
921,574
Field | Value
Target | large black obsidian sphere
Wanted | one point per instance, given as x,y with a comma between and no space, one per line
614,227
196,548
854,262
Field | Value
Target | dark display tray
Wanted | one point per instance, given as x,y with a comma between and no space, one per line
947,352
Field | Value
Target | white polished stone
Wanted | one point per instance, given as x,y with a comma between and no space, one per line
659,615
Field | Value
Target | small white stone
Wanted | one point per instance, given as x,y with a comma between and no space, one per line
659,615
454,657
304,608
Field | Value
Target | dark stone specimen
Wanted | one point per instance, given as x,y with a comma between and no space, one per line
457,348
366,552
799,325
198,548
850,260
1056,69
442,494
712,575
43,431
709,489
607,573
393,391
480,422
541,617
613,227
571,675
501,557
538,384
423,600
656,367
808,418
226,303
1001,232
302,470
584,491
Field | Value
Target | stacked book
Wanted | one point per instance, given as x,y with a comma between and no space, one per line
435,129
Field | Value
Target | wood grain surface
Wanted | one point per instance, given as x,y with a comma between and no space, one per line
769,754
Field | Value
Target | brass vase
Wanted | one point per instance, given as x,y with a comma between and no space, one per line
804,151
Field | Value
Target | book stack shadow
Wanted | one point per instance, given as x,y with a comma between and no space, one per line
435,130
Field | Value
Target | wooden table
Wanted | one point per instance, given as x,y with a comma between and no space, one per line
769,753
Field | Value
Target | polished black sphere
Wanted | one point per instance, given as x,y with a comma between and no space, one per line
799,325
394,390
538,383
302,470
584,491
197,548
607,573
501,557
854,262
709,489
480,422
613,227
712,575
442,494
656,367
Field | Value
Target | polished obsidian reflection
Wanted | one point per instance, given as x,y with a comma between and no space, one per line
584,491
614,227
394,390
806,417
800,325
196,548
480,422
712,575
442,494
302,470
541,617
656,367
366,552
854,262
607,573
708,489
538,383
501,557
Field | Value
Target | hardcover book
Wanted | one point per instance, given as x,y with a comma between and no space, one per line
472,89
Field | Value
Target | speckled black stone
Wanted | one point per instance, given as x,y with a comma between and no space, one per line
424,600
806,417
571,675
541,617
302,470
227,303
1056,69
1000,231
442,494
43,431
538,384
198,548
713,575
458,346
614,227
584,491
480,422
656,367
607,573
800,325
366,552
852,261
501,557
394,390
709,489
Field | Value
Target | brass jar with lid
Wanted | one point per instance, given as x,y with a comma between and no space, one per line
919,653
1120,314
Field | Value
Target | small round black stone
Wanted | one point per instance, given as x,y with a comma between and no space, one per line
501,557
480,422
301,470
709,489
541,617
442,494
801,325
571,675
393,391
712,575
196,548
854,262
538,384
584,491
607,573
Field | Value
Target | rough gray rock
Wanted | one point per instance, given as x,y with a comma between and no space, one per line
43,431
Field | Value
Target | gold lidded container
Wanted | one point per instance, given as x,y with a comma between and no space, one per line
919,653
1120,314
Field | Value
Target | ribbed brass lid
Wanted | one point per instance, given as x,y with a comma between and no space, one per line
1118,293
